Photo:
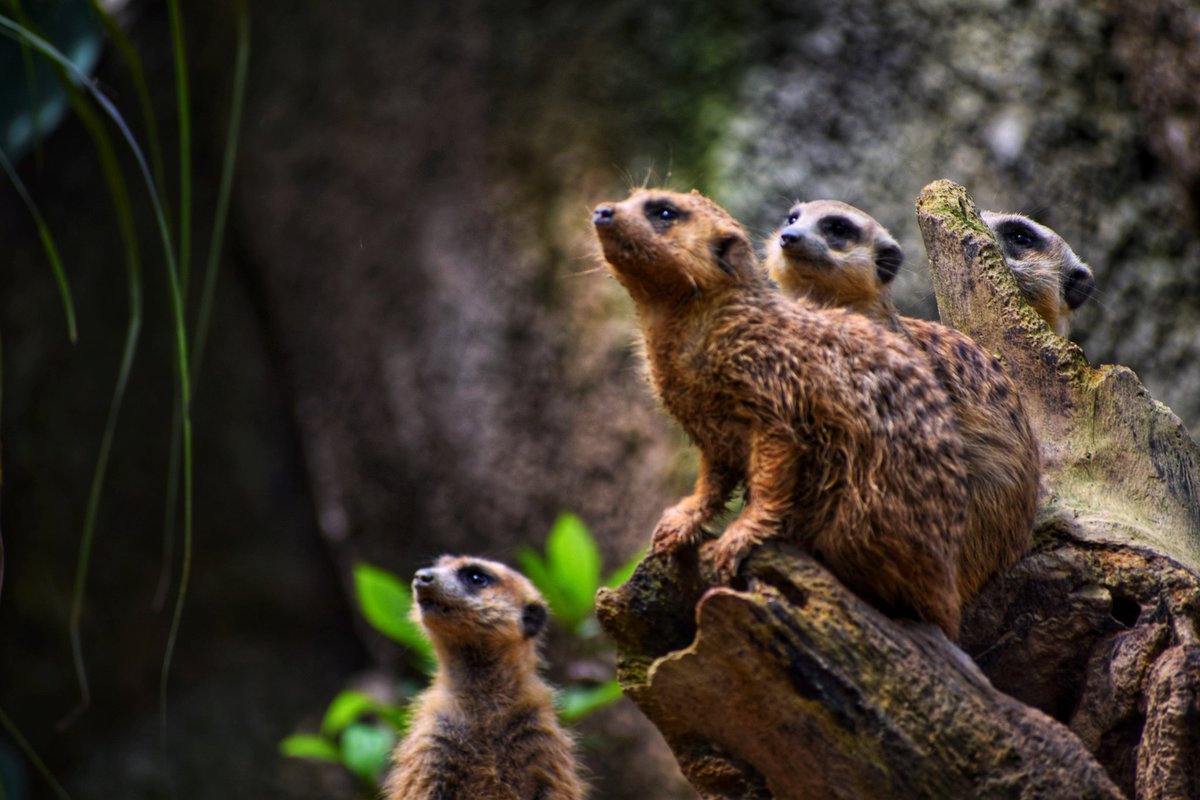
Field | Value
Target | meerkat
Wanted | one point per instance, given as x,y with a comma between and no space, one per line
1054,280
486,728
843,437
835,255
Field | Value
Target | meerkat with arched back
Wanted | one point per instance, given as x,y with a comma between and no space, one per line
838,256
844,438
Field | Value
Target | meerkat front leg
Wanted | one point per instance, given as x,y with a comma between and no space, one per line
682,524
770,492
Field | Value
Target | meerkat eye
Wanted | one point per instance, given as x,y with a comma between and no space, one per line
475,577
663,214
791,218
839,231
1021,236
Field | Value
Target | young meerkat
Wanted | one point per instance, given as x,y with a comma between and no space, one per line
843,437
834,254
486,728
1053,279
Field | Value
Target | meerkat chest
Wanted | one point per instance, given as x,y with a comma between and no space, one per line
689,383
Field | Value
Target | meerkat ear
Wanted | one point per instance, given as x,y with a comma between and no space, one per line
888,260
533,619
1078,287
734,254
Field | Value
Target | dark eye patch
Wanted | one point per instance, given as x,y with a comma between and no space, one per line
663,214
475,577
839,231
1018,236
792,216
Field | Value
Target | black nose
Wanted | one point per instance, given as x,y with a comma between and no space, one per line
424,577
603,215
788,238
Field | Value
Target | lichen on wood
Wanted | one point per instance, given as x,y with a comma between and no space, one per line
1084,671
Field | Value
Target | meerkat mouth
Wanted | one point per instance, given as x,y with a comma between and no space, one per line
431,601
431,607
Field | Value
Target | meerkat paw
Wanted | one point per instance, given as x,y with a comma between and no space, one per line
733,547
680,526
728,553
726,557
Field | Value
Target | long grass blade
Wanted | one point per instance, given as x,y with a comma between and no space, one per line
183,106
211,271
115,179
14,31
30,83
137,75
31,754
60,276
170,511
221,214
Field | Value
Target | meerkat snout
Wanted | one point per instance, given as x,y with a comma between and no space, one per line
795,240
602,215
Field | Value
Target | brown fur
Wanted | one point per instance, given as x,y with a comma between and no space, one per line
485,729
1001,454
842,436
1053,279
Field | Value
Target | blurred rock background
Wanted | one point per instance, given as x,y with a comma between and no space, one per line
414,351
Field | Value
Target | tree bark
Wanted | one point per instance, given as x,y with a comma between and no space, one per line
786,685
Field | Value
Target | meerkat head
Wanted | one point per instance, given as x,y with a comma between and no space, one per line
465,602
1053,279
665,247
834,254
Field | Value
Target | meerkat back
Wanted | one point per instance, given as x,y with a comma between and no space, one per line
839,256
486,728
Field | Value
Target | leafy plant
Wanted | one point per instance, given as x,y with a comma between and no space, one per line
568,575
386,602
359,731
360,745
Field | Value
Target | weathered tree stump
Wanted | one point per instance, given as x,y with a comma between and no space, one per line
786,685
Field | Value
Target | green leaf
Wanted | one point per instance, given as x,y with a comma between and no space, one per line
398,717
386,602
539,575
625,571
577,702
365,750
56,267
308,746
344,709
574,564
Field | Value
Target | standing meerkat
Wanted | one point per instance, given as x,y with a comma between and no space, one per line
1053,279
844,439
486,728
835,255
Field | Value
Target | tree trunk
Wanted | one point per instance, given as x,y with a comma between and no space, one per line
786,685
